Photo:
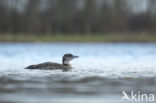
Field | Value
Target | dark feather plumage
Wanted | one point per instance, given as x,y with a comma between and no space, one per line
65,66
49,66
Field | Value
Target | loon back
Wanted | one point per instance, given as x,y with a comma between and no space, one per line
49,66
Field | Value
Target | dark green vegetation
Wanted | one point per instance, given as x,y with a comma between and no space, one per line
77,16
77,20
78,38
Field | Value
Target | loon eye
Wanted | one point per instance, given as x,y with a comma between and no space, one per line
68,55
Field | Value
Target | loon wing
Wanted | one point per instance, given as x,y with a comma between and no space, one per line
46,65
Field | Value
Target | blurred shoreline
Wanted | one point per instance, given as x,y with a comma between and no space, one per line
121,37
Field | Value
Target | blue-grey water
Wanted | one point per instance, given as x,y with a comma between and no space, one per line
100,74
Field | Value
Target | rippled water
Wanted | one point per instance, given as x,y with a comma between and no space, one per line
101,73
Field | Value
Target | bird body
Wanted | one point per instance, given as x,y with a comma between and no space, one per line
49,66
65,66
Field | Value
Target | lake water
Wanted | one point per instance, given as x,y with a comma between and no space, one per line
102,72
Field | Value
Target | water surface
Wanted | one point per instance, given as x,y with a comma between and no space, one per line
101,73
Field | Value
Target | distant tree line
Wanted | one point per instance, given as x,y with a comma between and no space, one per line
74,16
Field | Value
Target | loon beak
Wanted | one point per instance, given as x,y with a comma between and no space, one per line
75,56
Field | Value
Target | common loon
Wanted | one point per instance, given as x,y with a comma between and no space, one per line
65,66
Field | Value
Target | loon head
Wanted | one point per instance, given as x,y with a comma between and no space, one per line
67,58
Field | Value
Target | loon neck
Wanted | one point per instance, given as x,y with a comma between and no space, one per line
66,63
